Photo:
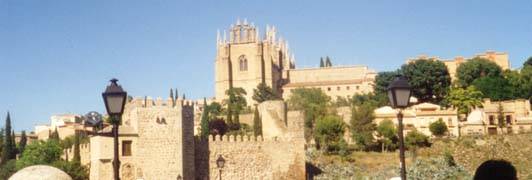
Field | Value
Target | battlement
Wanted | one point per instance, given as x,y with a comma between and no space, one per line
148,102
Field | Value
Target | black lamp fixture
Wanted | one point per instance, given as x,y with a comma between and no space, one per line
114,98
220,162
399,92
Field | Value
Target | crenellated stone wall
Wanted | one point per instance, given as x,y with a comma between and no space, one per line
84,151
280,154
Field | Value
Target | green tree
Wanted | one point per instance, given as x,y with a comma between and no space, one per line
40,152
77,153
9,149
329,132
520,81
370,99
55,135
495,88
23,141
362,126
476,68
204,123
341,101
313,102
74,169
528,62
438,128
464,99
383,80
257,123
415,140
387,133
263,93
2,133
328,62
322,64
235,104
429,78
215,109
7,169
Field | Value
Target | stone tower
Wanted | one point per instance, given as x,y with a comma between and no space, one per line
245,59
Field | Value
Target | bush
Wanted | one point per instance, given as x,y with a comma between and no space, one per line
438,128
7,169
436,168
415,139
329,133
73,168
41,152
218,127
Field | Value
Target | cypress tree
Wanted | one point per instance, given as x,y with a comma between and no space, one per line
328,62
23,141
8,152
205,131
322,64
14,144
176,94
77,155
2,132
171,93
257,123
55,135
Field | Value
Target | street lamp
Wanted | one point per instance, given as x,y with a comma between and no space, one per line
220,162
114,98
399,92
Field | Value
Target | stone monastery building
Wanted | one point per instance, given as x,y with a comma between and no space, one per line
246,59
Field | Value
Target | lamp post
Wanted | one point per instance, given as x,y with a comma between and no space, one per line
114,98
399,92
220,163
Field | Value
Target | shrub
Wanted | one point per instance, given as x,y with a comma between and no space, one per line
73,168
438,128
328,132
436,168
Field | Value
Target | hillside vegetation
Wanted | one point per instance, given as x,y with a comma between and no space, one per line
428,163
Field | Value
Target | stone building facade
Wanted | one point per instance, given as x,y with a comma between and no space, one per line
499,58
420,116
341,81
246,58
516,116
156,141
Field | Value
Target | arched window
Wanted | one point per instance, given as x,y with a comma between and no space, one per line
243,62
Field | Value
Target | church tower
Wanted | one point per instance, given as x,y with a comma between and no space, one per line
244,60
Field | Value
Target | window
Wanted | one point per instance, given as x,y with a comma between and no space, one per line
347,87
358,87
126,148
492,120
450,121
338,88
509,119
243,62
329,89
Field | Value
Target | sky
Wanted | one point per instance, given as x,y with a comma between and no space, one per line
57,56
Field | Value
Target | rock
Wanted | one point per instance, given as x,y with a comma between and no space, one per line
40,172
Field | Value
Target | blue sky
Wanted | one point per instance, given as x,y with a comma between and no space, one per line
57,56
